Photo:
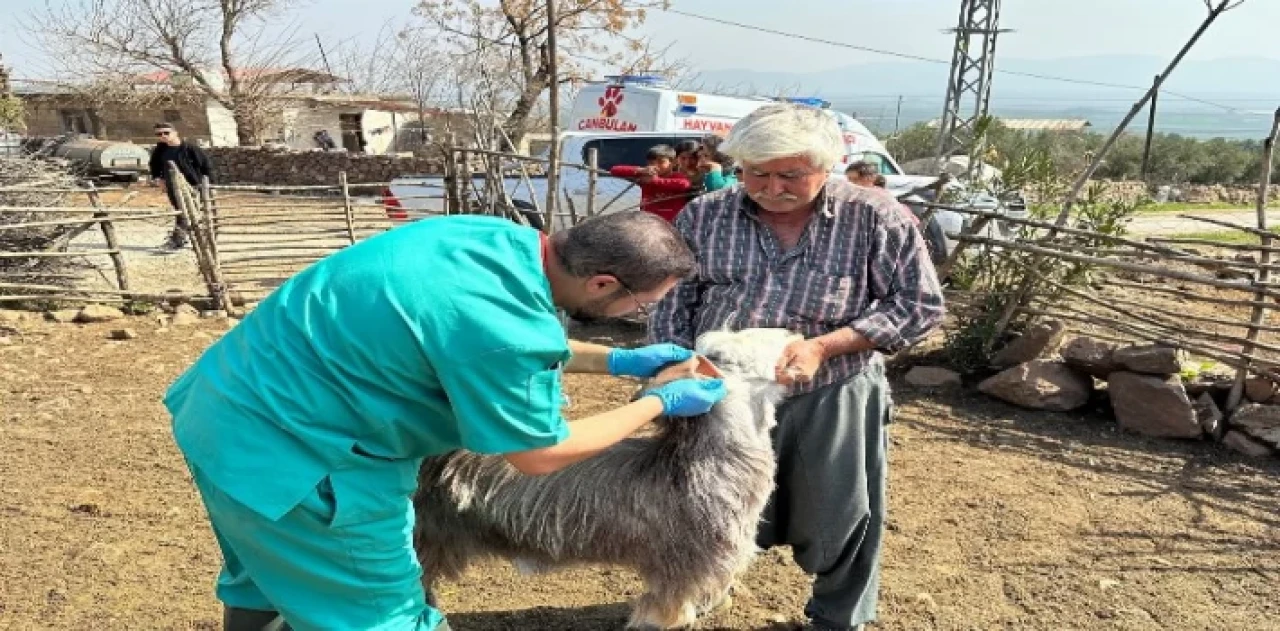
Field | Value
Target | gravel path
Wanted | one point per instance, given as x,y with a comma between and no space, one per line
151,268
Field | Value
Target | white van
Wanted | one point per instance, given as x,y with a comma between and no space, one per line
621,118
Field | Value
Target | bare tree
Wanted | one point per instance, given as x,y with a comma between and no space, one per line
401,62
225,48
509,38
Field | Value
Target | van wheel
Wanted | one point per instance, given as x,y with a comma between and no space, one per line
529,214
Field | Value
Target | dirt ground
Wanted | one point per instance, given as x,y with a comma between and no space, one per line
999,518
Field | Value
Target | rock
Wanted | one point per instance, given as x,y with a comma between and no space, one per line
65,316
1091,356
1153,406
1259,389
1041,385
1038,341
1209,416
932,377
123,334
214,314
5,341
1245,445
1150,359
99,313
183,318
187,309
1260,422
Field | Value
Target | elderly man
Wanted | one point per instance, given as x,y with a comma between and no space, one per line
304,427
792,247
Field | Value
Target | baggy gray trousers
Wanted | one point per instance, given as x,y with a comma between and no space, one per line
829,502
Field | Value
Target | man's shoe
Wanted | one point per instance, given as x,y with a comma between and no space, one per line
822,626
176,241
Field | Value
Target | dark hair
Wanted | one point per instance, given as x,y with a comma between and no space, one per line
712,144
863,169
658,152
686,146
164,125
880,181
640,249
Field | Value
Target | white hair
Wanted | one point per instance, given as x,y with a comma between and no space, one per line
786,130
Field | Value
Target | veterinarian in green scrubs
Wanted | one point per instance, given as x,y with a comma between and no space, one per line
305,425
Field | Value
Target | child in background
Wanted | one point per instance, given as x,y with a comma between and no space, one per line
663,190
716,168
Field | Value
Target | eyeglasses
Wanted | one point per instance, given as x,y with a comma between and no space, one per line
642,309
162,134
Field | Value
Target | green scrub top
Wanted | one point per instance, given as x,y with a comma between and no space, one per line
435,336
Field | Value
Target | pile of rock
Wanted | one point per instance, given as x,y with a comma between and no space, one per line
1144,384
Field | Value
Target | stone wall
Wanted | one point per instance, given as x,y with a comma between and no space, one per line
233,165
1191,193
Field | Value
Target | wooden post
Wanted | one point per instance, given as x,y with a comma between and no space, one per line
464,181
346,207
553,169
450,178
206,217
593,178
210,202
1151,128
200,239
1259,317
109,234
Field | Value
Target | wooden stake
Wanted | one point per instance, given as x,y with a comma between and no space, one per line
593,178
553,168
1259,315
1123,265
109,235
346,206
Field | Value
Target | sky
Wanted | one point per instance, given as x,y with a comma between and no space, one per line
1042,29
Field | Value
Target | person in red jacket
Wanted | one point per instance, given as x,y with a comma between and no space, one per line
663,191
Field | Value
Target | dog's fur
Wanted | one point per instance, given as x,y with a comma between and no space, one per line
679,507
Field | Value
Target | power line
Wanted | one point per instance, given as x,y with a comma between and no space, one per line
890,53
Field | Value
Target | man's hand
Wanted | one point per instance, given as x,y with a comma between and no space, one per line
646,361
800,362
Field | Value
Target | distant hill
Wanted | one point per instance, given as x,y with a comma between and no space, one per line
1228,78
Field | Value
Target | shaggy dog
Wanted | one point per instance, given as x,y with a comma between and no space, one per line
679,507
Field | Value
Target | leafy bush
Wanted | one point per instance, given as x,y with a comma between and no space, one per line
1174,159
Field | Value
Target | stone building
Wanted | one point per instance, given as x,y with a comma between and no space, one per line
305,106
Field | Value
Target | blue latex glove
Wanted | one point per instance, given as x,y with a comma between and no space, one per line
689,397
646,361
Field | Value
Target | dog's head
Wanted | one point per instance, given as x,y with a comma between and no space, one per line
748,359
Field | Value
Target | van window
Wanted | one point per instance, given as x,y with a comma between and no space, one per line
628,151
882,164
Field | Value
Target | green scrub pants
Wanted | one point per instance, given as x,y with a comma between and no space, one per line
359,577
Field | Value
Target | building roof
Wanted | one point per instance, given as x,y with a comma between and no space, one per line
1039,124
272,75
1046,124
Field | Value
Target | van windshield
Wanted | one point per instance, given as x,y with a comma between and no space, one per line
883,165
615,151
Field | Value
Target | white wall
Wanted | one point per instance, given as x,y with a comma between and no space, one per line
222,126
379,129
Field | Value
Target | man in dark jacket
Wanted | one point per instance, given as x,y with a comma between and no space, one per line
192,163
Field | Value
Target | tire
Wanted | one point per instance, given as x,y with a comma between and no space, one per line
529,213
936,240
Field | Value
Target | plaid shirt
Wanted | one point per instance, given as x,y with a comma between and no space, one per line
859,263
